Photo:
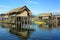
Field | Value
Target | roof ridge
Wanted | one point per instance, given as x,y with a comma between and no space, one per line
17,9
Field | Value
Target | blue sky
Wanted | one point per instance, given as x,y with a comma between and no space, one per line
36,6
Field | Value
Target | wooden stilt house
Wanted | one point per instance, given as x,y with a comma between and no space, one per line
20,17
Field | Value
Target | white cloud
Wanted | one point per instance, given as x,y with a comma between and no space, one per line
32,2
56,11
4,9
4,6
35,12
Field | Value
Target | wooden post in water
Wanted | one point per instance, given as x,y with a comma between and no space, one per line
18,23
15,22
21,24
27,24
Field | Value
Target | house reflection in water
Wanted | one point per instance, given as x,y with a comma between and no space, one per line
52,21
45,27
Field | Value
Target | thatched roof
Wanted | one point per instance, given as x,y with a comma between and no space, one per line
19,9
45,14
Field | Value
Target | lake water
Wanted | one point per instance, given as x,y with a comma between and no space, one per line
40,33
45,33
6,35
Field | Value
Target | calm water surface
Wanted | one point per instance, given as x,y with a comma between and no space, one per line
45,33
41,33
5,35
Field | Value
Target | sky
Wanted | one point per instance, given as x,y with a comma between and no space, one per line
36,6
